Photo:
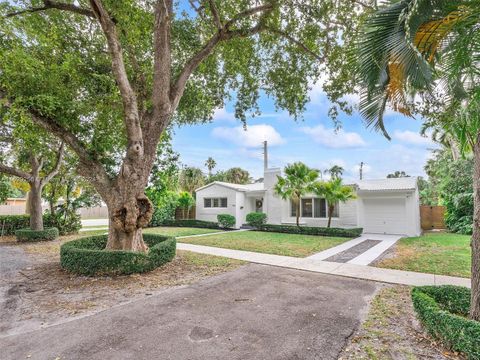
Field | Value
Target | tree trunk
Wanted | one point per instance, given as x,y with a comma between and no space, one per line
35,206
475,244
297,212
330,212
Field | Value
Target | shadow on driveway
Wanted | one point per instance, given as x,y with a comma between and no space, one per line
255,312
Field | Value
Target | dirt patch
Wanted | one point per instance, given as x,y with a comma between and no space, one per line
391,331
42,293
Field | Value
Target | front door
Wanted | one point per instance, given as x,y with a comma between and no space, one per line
258,205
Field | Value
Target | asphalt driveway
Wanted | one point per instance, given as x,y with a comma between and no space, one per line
255,312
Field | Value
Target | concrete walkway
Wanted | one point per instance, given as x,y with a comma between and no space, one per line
342,269
366,258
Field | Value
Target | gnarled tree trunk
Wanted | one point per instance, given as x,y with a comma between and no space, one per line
35,205
475,244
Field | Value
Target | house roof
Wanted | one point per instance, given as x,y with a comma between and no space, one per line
237,187
404,183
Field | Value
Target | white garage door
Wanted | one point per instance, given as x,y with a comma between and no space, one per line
385,216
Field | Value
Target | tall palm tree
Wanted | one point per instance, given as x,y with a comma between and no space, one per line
210,163
237,175
336,171
334,192
427,46
299,180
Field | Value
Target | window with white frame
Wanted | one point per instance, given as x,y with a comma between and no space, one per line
314,208
215,202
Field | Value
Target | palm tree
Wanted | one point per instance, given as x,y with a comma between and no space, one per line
334,192
185,202
237,175
335,171
210,163
415,46
191,178
397,174
299,180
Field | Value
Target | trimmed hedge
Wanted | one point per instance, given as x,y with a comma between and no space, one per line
12,223
191,223
226,221
443,310
311,230
256,219
28,235
87,256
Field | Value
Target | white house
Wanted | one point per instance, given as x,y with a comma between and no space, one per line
387,206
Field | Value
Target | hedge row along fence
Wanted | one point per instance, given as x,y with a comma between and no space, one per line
192,223
443,310
310,230
87,256
27,235
9,224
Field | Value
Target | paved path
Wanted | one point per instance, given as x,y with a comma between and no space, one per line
254,312
334,268
367,257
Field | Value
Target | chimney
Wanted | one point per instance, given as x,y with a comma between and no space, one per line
265,155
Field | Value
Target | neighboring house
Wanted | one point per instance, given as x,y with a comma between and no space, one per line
389,206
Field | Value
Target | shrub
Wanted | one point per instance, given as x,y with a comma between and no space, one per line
67,222
443,311
164,209
191,223
226,220
11,223
26,235
87,256
256,219
311,230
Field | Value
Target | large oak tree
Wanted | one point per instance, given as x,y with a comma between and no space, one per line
108,77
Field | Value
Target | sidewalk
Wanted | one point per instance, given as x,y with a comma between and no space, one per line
342,269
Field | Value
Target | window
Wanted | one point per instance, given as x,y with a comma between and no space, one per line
215,202
313,208
320,208
307,207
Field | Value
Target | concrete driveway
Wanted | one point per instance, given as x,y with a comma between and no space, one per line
255,312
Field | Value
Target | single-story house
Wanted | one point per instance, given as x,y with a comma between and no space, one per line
385,206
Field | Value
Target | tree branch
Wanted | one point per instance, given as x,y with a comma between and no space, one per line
129,97
298,43
49,4
222,35
58,164
15,172
216,17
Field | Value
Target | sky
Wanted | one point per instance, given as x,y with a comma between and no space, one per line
311,140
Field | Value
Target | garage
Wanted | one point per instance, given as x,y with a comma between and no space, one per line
385,216
389,206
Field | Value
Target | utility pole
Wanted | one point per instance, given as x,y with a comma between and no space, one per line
265,155
361,170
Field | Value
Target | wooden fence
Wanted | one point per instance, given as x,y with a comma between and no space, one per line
179,214
432,217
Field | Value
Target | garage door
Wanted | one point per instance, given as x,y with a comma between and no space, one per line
385,216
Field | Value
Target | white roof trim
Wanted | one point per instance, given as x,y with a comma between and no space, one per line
255,187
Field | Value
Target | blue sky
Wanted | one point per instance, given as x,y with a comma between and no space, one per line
311,141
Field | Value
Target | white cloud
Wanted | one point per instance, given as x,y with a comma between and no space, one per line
223,115
411,137
252,137
331,139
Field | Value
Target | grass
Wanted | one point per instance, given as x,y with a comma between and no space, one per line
435,253
269,243
179,231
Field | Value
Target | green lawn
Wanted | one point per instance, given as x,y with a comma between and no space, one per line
269,243
179,231
435,253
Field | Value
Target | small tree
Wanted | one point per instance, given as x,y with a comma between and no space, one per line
185,202
335,171
299,180
191,178
333,191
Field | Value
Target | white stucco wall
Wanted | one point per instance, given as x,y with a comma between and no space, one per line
210,214
272,204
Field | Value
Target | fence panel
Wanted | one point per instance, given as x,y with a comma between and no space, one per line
432,217
182,214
